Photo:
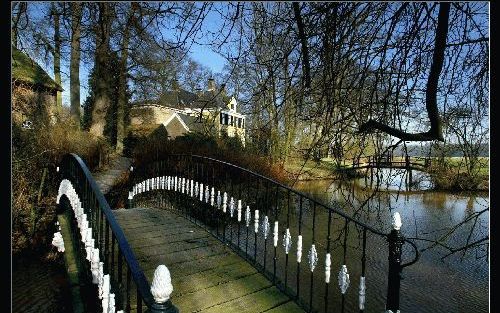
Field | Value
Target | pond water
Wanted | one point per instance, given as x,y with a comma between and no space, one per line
458,283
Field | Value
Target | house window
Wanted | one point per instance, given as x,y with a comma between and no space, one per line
239,122
225,119
243,123
232,120
222,118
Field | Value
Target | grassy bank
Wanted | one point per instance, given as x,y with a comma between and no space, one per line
449,174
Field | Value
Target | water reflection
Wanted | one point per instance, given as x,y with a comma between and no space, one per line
431,283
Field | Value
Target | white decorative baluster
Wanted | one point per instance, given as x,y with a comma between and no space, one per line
224,202
207,194
94,266
239,210
112,308
231,207
100,279
106,288
58,242
328,267
248,216
161,288
196,190
201,192
362,293
88,243
313,257
83,230
275,233
256,222
219,200
299,249
265,226
287,241
90,249
192,188
212,197
343,279
183,185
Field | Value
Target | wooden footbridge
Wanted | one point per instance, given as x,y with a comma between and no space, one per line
389,161
202,235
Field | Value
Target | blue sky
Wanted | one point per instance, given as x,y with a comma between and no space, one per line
201,53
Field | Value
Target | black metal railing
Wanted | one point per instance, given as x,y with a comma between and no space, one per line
126,276
232,202
388,161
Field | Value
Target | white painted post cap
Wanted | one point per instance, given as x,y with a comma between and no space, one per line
396,221
161,288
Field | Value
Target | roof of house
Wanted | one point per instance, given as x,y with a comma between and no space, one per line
182,99
192,122
26,70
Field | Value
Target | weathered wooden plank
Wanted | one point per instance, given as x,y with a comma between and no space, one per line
259,301
190,267
212,277
288,307
175,246
208,297
206,274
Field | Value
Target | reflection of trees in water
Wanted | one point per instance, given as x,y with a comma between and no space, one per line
438,225
434,200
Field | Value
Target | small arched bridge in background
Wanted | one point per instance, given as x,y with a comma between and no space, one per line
215,237
388,161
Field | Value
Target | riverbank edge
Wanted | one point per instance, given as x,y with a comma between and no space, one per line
324,171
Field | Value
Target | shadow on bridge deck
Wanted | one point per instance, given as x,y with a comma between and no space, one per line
207,275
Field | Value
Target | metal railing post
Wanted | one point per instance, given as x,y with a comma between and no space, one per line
396,241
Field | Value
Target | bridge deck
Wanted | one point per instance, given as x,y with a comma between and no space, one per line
207,276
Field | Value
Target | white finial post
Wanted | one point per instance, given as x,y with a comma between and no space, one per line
161,288
396,241
396,221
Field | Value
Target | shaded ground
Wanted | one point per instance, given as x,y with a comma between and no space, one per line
40,286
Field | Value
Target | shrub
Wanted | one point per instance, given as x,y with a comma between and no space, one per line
36,153
228,149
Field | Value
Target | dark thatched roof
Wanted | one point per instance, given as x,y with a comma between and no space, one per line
24,69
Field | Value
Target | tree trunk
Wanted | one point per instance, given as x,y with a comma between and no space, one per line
122,86
435,131
74,83
102,100
57,56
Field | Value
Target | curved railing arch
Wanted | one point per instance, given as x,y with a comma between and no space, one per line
92,210
233,199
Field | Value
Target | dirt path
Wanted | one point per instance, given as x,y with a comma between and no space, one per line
107,177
